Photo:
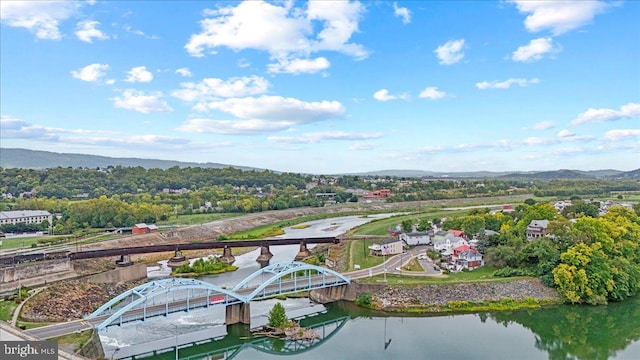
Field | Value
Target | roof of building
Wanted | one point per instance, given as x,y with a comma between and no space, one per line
22,214
456,232
417,233
141,226
462,248
539,223
388,241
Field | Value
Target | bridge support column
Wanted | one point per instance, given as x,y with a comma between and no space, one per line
265,254
125,260
303,253
227,256
177,260
238,313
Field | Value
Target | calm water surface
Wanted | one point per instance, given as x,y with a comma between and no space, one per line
349,332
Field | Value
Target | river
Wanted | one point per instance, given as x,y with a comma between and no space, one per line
350,332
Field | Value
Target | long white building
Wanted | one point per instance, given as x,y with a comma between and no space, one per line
25,216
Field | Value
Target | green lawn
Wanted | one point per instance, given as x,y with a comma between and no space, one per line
13,243
413,265
75,340
483,274
358,253
32,325
194,219
6,309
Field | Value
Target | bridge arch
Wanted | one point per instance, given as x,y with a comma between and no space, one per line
142,293
281,270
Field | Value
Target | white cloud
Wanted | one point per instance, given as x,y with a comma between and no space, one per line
357,146
139,74
138,32
298,66
264,114
402,12
278,108
565,133
184,72
535,50
212,89
315,137
132,99
558,16
432,93
383,95
39,17
628,111
506,83
233,127
243,63
87,31
621,134
110,81
543,125
450,52
283,31
90,73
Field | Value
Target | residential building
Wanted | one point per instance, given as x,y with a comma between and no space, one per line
416,238
386,247
537,229
444,244
467,257
458,233
25,216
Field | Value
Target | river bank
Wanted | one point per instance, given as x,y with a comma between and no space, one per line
461,297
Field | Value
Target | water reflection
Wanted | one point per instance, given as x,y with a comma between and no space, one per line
582,332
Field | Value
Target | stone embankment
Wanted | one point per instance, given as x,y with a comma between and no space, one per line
398,296
394,297
70,300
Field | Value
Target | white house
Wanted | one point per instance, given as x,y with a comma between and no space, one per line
416,238
387,247
447,243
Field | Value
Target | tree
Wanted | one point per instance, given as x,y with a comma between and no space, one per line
277,316
530,202
407,225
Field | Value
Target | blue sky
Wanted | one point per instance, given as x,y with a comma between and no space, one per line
327,87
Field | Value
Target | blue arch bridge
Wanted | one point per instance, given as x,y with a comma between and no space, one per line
167,296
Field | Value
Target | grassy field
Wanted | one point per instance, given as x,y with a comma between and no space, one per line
6,309
483,274
74,341
358,253
31,325
194,219
413,265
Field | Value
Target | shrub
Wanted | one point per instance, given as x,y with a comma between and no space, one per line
364,300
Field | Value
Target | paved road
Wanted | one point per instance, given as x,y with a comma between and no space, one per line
391,266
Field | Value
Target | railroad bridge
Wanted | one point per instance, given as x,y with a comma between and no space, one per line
167,296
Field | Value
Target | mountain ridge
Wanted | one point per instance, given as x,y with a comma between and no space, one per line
38,159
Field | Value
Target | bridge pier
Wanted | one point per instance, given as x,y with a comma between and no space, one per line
125,260
177,260
227,256
238,314
303,253
265,254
